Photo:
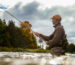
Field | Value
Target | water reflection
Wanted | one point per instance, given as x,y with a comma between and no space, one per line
25,58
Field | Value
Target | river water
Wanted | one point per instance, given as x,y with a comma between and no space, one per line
26,58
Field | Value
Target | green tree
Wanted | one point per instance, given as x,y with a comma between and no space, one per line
4,35
71,48
16,39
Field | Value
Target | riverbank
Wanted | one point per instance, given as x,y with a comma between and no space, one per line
6,49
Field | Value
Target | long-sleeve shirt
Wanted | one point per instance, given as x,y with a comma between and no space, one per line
55,38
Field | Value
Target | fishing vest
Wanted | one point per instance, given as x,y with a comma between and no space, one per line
64,43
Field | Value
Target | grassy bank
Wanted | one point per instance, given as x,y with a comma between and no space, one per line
6,49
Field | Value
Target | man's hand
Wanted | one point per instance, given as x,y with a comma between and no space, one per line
37,34
47,42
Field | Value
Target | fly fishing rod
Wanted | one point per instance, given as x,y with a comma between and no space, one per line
40,40
12,16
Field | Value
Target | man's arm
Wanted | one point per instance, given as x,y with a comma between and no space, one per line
57,37
46,38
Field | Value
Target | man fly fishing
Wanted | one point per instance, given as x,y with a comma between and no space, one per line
57,40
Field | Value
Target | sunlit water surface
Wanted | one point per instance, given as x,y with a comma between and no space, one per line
26,58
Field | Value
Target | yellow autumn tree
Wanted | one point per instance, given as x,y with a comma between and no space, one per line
27,32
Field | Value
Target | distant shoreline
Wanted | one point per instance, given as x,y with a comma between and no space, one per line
6,49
